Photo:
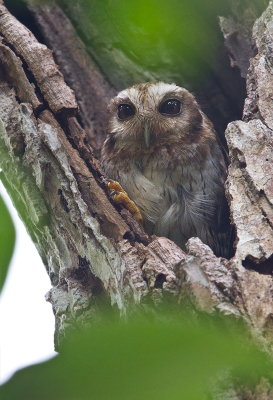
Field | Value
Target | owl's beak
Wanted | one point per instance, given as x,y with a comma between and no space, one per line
147,136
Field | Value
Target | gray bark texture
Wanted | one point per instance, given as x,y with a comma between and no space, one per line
51,131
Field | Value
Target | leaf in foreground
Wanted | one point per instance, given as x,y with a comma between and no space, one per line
139,360
7,240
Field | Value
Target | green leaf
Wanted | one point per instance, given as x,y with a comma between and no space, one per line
7,240
140,360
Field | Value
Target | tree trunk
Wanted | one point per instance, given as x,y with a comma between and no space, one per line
94,251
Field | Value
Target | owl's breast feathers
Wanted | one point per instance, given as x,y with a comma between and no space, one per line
178,180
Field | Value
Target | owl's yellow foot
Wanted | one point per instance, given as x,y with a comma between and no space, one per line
121,197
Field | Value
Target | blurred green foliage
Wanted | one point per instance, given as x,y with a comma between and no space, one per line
141,360
150,39
7,240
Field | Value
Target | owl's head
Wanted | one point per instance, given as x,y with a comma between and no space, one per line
150,113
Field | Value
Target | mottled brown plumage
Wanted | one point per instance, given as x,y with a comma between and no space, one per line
164,152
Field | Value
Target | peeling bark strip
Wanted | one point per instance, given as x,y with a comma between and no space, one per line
250,182
57,217
250,186
13,69
92,90
40,62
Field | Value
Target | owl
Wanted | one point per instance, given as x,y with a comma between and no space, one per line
164,152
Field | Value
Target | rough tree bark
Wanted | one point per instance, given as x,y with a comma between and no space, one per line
95,252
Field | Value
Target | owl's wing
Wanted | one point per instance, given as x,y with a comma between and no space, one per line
222,232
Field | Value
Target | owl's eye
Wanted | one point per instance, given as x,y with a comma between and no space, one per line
125,111
170,107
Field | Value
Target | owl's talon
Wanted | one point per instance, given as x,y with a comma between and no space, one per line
114,192
121,197
107,180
